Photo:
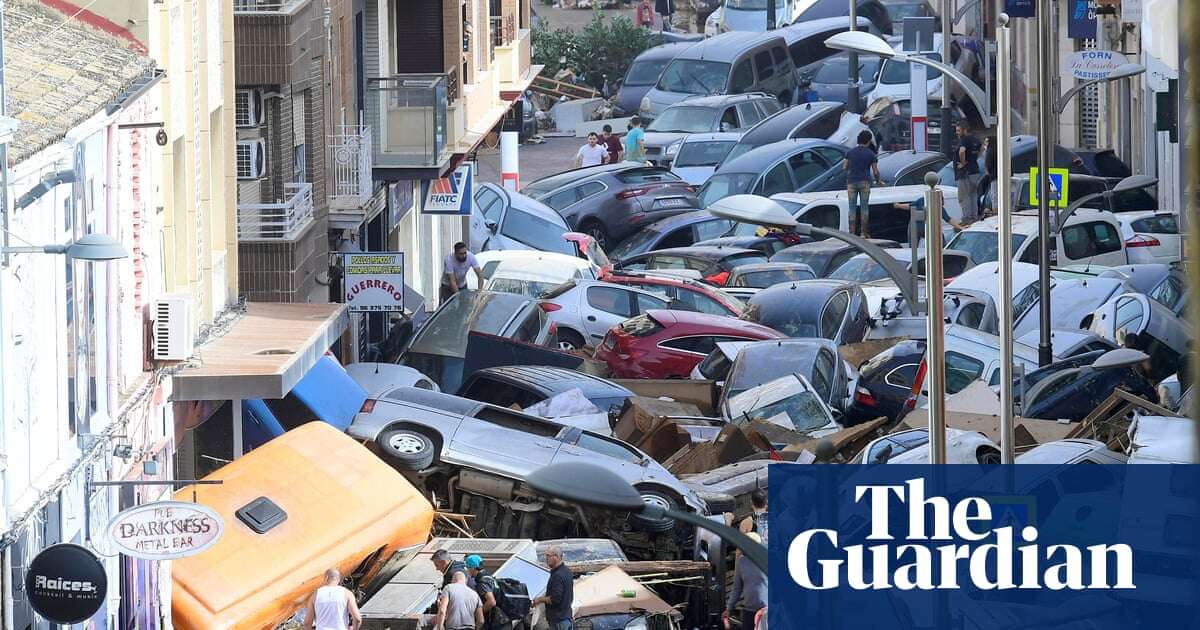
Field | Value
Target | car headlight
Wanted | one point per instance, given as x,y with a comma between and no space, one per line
645,105
673,148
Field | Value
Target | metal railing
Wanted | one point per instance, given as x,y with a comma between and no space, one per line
267,6
282,221
503,30
407,116
350,160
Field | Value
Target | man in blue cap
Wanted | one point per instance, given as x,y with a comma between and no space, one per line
486,586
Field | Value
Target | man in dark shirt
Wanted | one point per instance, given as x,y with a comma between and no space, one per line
560,592
861,163
612,143
966,171
449,566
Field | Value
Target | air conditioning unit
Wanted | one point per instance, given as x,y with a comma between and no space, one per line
174,338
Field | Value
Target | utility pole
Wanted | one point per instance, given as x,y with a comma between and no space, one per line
935,343
1046,96
947,31
852,96
1004,210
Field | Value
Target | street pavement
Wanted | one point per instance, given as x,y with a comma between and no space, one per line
574,19
536,161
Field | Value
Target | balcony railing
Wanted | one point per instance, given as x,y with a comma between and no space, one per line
407,115
350,160
282,221
267,6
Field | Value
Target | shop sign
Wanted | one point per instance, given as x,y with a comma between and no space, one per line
400,201
66,584
373,282
1086,65
451,194
165,530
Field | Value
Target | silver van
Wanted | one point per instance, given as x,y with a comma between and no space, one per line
730,63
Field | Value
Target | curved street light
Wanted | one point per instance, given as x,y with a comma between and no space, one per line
596,486
866,43
89,248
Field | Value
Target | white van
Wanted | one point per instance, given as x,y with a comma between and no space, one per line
1090,237
830,209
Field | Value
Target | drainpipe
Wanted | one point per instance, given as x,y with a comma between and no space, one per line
112,303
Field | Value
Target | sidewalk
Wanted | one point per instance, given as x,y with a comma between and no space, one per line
574,19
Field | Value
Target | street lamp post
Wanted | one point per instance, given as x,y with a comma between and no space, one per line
852,96
1004,211
1045,79
935,341
596,486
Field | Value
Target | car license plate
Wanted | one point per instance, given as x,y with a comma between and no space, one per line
672,202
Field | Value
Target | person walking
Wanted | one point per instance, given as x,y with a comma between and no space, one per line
592,153
861,163
560,591
332,606
664,8
749,588
966,171
459,606
448,566
757,523
987,183
645,15
635,141
612,143
454,273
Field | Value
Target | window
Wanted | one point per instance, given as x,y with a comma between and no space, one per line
1168,293
830,154
610,448
1158,224
699,344
961,370
768,106
748,113
779,55
1128,317
953,265
516,422
820,126
902,376
970,315
250,110
647,302
743,78
1026,299
687,300
764,65
712,229
729,119
300,163
251,159
535,231
591,188
562,199
806,166
824,216
669,262
1085,240
692,76
500,393
489,203
610,300
834,313
1033,255
776,180
822,379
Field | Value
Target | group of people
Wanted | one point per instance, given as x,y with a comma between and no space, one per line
862,170
606,148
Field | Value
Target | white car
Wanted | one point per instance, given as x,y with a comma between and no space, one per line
912,447
1074,451
790,402
1090,237
830,209
381,377
584,310
509,270
503,219
1151,237
1072,302
699,154
895,78
712,25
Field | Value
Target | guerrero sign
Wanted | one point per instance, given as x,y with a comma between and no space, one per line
1094,64
374,281
165,530
66,584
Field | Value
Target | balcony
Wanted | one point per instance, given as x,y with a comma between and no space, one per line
282,221
513,60
267,6
407,115
270,40
350,163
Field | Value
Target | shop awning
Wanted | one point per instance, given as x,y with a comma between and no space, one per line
264,354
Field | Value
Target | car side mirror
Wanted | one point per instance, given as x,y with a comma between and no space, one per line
884,455
491,226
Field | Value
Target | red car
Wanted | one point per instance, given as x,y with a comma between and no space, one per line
685,294
668,344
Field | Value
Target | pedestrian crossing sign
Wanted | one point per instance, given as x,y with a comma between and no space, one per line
1060,182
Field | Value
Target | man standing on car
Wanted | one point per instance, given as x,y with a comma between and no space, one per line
612,143
454,272
560,591
861,163
459,607
966,171
635,142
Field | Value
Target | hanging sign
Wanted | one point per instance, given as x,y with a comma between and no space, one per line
451,194
165,530
1020,8
66,584
1081,19
373,282
1086,65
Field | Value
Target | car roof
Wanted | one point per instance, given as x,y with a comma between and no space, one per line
1027,222
892,162
1059,451
769,266
679,220
782,122
727,46
733,241
824,286
664,51
576,175
966,333
714,252
667,318
758,159
807,28
446,403
554,380
885,194
717,100
834,245
713,136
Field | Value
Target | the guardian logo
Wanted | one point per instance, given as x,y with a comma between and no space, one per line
926,566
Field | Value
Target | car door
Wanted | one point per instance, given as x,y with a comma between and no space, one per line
748,114
778,179
730,119
581,446
486,215
504,441
806,166
605,307
1091,242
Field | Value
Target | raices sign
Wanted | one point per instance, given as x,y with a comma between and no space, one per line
66,584
165,530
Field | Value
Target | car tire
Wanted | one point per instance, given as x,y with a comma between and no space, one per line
988,456
654,525
596,230
410,448
570,340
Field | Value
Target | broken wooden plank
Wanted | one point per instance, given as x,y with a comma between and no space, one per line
677,568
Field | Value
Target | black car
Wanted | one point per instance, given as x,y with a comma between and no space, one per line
611,201
898,168
809,120
1099,162
827,79
712,263
885,383
527,385
830,309
680,230
1073,393
643,74
874,10
769,244
825,255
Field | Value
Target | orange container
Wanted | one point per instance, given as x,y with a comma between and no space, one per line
343,505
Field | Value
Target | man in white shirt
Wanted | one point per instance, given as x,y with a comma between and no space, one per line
454,271
332,607
592,153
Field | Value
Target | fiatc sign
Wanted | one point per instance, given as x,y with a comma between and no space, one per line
165,530
373,282
451,194
66,584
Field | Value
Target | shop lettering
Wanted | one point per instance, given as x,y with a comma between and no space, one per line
58,584
1065,568
386,286
448,199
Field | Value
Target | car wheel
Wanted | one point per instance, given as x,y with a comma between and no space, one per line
595,230
570,340
652,524
988,456
411,449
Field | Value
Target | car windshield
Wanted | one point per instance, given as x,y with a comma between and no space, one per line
692,76
715,366
684,119
768,277
528,288
817,259
860,269
707,153
536,232
896,72
445,333
645,72
982,246
836,70
723,185
788,402
762,367
641,242
897,11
